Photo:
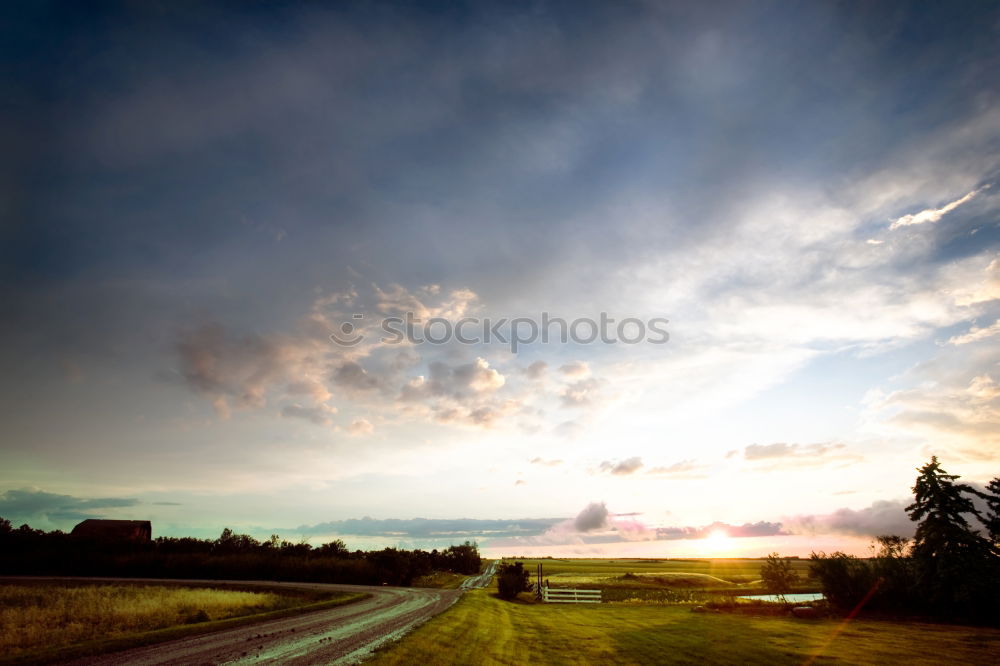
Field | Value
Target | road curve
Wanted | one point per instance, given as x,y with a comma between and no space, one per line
341,635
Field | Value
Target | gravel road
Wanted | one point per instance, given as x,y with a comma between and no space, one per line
341,635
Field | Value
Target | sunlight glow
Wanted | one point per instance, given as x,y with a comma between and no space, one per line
717,542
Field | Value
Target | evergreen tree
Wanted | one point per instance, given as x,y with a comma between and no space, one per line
951,559
992,518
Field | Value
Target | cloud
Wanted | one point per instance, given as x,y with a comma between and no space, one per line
537,370
952,402
934,214
352,376
314,389
460,383
976,334
758,529
569,430
249,371
397,300
545,463
360,427
882,517
44,509
622,467
456,529
982,290
230,370
319,415
575,369
583,393
794,451
686,469
593,517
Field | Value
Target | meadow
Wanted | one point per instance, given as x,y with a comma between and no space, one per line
482,629
51,620
663,580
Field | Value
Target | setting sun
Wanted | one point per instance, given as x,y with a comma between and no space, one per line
717,541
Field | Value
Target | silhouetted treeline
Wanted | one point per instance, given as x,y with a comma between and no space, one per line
950,570
27,551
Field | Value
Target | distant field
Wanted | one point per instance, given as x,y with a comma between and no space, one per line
482,629
728,570
46,618
664,580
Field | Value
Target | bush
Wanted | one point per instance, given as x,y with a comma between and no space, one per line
778,575
512,579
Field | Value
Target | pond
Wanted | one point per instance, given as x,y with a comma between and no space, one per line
790,598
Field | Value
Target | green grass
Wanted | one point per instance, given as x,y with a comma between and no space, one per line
482,629
730,570
47,621
663,580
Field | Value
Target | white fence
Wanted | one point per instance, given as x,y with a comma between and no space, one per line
554,595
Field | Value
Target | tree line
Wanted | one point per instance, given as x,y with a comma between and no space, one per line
232,556
949,570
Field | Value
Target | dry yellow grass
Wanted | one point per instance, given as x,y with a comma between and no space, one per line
52,616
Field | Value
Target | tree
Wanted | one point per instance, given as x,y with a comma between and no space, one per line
892,572
336,548
778,575
948,555
463,559
992,518
512,579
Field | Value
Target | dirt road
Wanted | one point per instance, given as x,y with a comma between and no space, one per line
482,580
341,635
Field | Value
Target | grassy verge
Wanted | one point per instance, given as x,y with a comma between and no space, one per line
482,629
44,622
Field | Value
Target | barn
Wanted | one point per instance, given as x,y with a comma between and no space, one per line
114,530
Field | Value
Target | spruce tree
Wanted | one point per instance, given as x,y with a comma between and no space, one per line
992,518
951,558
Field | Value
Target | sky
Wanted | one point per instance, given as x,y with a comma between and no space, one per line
196,196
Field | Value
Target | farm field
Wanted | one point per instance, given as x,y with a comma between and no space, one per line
739,571
663,580
483,629
42,620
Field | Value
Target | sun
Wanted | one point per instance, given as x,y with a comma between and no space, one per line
716,541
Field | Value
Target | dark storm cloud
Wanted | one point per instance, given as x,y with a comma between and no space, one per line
278,134
882,517
430,528
27,505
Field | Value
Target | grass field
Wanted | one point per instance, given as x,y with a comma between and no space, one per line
663,581
727,571
482,629
48,619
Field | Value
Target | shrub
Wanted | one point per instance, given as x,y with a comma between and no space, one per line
512,579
